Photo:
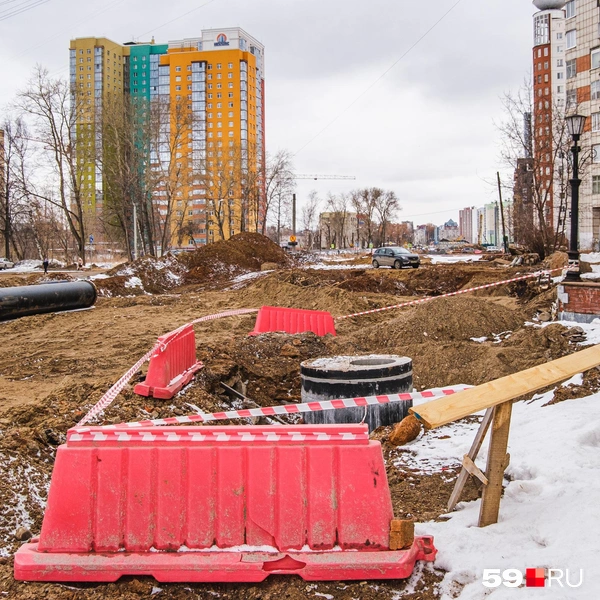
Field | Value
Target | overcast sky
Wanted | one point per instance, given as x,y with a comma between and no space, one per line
424,129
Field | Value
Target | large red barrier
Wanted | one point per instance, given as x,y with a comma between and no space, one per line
218,504
293,320
172,365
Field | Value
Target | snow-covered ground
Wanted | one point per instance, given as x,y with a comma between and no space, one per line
550,511
453,258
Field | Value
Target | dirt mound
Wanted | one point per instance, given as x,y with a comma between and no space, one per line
444,319
146,275
557,260
271,291
33,279
242,253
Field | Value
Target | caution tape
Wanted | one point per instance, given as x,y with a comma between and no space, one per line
116,389
290,409
429,298
197,435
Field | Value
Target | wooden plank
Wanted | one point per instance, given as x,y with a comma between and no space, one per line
473,452
496,464
473,469
450,408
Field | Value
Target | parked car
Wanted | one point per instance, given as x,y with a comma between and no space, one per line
6,264
395,257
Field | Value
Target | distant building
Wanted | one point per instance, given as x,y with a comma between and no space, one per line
448,232
465,224
339,229
488,225
425,234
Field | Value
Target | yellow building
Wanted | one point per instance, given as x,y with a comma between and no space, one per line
97,70
208,148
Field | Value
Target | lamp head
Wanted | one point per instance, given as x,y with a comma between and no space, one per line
575,124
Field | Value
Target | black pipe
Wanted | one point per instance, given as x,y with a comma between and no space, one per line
55,296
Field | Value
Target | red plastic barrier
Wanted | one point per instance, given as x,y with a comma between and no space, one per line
218,504
293,320
172,365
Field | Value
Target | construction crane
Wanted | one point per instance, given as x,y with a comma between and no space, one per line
315,177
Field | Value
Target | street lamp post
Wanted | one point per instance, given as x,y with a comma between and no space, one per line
575,125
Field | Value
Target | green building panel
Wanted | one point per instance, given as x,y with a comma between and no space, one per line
143,69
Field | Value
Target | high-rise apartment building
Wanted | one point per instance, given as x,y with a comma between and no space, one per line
97,70
199,106
465,224
550,70
582,36
566,70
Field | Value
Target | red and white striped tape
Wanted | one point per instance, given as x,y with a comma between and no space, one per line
116,389
290,409
429,298
96,435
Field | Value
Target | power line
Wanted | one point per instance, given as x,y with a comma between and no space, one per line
380,77
176,18
20,8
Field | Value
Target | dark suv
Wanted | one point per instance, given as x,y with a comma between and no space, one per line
395,257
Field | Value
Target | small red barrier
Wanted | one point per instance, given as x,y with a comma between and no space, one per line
293,320
172,365
218,504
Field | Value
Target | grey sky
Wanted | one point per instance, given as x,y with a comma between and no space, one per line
425,130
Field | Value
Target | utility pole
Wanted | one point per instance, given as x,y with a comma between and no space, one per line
135,240
294,215
504,236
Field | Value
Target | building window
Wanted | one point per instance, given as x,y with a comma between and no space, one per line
595,184
596,153
230,95
595,90
230,66
218,65
571,38
178,69
595,58
571,98
570,9
230,84
218,75
571,68
559,62
596,121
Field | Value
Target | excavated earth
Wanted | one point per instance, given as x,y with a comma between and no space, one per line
54,367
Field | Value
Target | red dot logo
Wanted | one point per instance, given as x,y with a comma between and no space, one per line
535,577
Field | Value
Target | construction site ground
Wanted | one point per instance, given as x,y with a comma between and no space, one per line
54,367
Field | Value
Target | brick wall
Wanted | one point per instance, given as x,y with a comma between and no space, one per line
583,298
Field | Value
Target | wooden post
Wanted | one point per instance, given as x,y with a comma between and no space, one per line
473,452
496,464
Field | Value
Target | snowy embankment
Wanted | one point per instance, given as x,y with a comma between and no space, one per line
550,511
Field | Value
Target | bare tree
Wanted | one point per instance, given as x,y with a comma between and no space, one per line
309,214
13,151
54,112
387,205
339,206
279,186
539,215
171,176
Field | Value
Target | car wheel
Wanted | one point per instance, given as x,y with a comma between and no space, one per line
375,264
397,264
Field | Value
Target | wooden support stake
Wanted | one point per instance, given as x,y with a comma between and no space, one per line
496,464
473,469
473,452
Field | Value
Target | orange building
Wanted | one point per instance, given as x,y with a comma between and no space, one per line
206,142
